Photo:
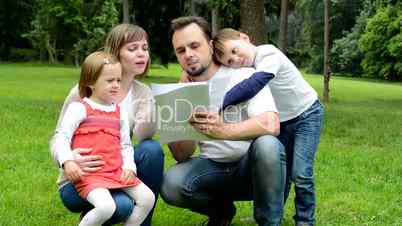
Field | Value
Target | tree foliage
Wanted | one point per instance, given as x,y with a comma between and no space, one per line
229,11
381,43
95,27
155,17
346,54
41,35
71,29
366,33
13,22
342,19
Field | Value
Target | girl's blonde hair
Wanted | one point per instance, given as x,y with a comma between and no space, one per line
122,34
223,35
91,69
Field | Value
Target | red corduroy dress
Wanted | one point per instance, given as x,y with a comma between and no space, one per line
101,132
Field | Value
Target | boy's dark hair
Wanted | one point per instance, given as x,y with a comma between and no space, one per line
182,22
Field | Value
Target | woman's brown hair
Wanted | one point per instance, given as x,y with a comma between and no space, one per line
122,34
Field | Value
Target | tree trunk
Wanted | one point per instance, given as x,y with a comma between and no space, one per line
42,55
252,20
51,51
215,21
283,28
133,20
193,12
327,69
126,11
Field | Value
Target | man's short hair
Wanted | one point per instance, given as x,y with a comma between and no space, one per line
181,22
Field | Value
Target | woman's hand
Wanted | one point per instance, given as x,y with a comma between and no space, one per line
73,171
127,176
210,124
88,163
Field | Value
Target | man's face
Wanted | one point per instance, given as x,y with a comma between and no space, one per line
192,49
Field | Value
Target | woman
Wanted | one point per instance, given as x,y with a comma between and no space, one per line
129,43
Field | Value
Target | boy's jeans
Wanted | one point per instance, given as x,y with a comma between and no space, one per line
301,137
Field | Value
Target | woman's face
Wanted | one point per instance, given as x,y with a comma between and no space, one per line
134,57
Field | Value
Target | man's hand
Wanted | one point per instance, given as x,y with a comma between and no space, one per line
88,163
210,124
127,176
73,171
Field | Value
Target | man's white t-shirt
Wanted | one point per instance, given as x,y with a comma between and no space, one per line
223,80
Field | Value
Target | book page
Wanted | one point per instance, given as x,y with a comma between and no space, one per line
174,105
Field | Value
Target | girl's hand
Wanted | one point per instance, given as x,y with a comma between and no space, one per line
88,163
127,176
73,171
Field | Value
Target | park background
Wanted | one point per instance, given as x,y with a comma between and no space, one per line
350,51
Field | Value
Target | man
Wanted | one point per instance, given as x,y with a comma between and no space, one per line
232,168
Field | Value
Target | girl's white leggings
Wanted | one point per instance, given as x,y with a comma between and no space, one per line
104,205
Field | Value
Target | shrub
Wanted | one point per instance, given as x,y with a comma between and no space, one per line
381,44
20,55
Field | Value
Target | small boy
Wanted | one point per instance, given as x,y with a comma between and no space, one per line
300,111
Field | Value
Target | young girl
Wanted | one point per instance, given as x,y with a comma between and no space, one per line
300,111
96,123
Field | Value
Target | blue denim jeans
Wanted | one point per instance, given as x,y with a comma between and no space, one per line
149,159
301,137
209,187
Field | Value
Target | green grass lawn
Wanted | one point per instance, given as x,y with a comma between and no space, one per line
358,166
